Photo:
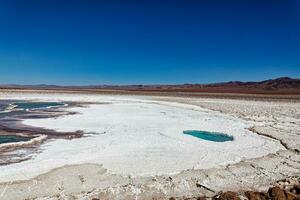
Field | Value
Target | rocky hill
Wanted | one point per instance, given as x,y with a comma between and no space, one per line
283,85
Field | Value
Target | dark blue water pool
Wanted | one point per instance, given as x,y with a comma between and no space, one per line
37,105
13,138
210,136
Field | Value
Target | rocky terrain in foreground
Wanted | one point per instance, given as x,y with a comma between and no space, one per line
288,189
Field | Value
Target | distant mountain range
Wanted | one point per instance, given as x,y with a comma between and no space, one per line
283,85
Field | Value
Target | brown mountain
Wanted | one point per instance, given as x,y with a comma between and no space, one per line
283,85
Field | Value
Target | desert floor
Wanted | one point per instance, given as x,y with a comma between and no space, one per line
135,149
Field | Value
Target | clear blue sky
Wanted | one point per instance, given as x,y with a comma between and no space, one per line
147,41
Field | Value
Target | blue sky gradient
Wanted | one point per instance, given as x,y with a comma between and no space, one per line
147,41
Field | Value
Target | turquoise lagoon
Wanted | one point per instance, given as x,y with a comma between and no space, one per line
210,136
37,105
13,138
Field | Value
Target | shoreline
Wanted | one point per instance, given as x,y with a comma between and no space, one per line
11,123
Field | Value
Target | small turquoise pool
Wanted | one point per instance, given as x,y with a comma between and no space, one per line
37,105
13,138
210,136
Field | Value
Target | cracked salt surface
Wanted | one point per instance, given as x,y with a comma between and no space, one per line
142,137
